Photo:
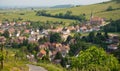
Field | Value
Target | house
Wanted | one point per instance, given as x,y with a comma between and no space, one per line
112,46
12,23
27,31
18,34
65,31
0,23
2,39
96,20
11,31
21,39
71,28
83,29
31,39
1,31
41,53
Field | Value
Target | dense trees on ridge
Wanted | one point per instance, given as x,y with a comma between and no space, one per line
114,26
67,15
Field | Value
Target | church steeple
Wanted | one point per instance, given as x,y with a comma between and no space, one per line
91,16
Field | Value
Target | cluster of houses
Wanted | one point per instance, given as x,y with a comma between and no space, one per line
18,32
113,42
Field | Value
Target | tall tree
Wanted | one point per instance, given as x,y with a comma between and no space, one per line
55,38
6,34
95,59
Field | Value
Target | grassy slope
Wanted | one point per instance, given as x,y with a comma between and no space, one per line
29,15
10,64
95,8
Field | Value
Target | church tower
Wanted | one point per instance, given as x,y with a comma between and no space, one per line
91,17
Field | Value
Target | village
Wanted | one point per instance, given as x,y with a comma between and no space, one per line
19,32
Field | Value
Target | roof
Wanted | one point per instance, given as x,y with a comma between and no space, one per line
96,19
43,52
2,39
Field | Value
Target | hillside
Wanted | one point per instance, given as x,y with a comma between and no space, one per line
97,9
62,6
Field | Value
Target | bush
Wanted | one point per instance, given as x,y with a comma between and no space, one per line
95,59
109,8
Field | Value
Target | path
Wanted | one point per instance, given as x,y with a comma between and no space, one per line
35,68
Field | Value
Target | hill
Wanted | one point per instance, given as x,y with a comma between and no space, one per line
63,6
97,9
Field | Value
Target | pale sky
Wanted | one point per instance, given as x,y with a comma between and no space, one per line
46,2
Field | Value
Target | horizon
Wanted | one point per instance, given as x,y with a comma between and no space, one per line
46,3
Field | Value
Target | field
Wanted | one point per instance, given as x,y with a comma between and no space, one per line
28,15
97,10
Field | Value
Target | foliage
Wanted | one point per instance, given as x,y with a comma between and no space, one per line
109,8
51,67
6,34
77,47
77,36
96,38
58,56
55,38
67,15
114,26
43,40
64,62
2,55
116,53
10,64
95,59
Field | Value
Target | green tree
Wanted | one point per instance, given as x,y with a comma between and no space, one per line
43,40
2,56
109,8
77,36
58,56
95,59
6,34
106,35
55,38
91,36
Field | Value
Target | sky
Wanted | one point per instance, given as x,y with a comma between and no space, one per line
35,3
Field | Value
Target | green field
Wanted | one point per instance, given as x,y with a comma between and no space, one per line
28,15
97,9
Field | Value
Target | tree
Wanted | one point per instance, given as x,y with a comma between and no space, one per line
118,1
95,59
55,38
58,56
109,8
64,62
77,47
2,56
106,35
77,36
68,38
6,34
91,36
68,14
43,40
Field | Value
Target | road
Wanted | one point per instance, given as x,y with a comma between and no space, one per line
35,68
